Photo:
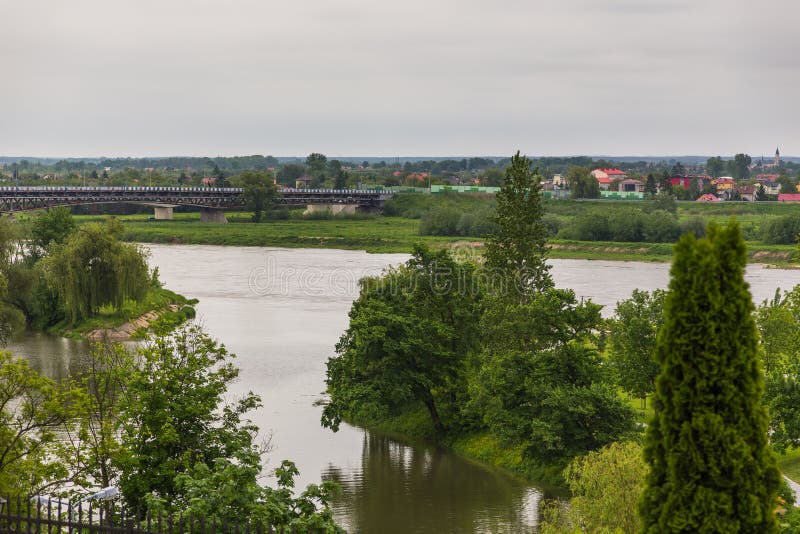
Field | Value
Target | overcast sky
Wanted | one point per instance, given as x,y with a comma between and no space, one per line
407,78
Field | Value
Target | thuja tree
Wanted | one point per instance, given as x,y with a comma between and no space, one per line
93,269
710,466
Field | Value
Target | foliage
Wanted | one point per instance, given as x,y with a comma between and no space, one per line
32,409
778,322
782,230
100,386
517,248
389,359
710,465
93,268
258,192
715,166
228,492
660,227
623,224
448,221
664,201
739,166
581,183
51,227
174,415
605,487
632,341
541,382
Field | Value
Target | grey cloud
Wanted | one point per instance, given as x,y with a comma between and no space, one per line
94,77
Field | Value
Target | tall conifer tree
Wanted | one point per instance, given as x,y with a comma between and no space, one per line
710,466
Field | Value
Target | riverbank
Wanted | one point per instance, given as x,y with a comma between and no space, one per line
382,234
160,311
415,427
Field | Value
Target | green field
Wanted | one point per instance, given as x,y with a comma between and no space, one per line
398,232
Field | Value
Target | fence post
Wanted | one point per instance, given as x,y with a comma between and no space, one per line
19,513
28,514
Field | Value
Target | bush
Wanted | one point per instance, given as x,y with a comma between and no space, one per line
661,227
782,231
440,221
695,225
553,223
589,226
626,225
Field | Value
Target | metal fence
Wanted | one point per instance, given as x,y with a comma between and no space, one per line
46,516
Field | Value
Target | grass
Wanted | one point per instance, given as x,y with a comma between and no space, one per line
379,234
789,464
383,234
157,299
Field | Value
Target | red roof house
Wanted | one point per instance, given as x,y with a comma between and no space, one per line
708,197
789,197
683,181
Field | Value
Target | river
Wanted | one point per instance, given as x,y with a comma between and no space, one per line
281,312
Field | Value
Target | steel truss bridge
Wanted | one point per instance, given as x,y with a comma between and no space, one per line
14,199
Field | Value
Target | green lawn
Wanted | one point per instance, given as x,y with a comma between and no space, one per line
789,463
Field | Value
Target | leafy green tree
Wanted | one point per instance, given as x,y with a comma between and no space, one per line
651,184
632,341
778,322
581,183
715,166
391,359
739,166
50,227
516,249
664,201
94,445
33,409
258,192
541,382
289,173
174,414
493,177
93,268
678,169
761,194
711,469
605,485
317,163
340,180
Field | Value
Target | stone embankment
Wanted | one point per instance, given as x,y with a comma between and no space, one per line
125,331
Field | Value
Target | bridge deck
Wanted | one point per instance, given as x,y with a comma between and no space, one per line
29,198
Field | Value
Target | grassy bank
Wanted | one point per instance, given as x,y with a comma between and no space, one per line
172,309
414,426
398,233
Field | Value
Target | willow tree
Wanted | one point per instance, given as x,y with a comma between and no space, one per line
711,469
92,268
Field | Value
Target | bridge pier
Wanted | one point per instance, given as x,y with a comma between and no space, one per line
163,213
212,215
335,209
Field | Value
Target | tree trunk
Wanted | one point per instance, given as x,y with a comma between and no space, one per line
431,405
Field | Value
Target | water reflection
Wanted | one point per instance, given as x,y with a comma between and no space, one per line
403,488
55,357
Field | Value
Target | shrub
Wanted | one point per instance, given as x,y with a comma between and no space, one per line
782,231
553,223
440,221
696,225
625,224
660,227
